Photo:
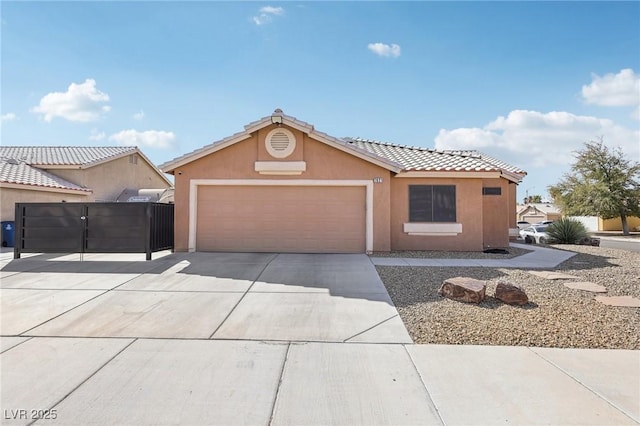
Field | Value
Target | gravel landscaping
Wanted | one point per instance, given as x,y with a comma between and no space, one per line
556,316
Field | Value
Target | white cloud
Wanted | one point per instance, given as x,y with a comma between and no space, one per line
148,138
138,115
622,89
10,116
272,10
266,15
531,138
81,102
381,49
96,136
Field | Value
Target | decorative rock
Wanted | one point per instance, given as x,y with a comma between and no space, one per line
586,286
590,241
463,289
551,275
511,294
626,301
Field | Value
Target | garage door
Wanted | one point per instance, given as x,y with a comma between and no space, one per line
309,219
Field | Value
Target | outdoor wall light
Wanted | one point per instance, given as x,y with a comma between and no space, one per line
276,117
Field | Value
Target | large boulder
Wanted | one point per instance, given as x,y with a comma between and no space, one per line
463,289
511,294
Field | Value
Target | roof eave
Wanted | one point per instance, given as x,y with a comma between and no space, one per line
513,177
130,150
289,121
170,166
30,187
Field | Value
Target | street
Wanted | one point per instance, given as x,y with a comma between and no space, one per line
630,245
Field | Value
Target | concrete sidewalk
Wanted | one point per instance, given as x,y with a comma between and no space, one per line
539,258
85,381
197,338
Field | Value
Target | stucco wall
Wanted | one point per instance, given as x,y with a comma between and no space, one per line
322,162
468,213
496,214
10,196
513,202
109,179
615,224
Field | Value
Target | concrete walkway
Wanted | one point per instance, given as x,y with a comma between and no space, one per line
539,258
265,339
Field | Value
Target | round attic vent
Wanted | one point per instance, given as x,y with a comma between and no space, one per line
280,143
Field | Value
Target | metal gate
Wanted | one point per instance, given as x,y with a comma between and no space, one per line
93,228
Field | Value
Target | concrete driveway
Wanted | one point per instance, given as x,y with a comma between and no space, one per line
266,297
267,340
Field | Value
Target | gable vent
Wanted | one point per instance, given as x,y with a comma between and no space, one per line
280,143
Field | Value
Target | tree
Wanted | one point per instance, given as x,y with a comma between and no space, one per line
533,199
602,183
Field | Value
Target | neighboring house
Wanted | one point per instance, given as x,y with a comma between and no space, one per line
146,195
282,186
538,212
72,174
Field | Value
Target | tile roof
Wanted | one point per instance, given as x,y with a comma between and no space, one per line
18,172
266,121
427,159
395,157
545,208
63,155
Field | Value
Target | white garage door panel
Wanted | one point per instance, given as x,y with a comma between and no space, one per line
313,219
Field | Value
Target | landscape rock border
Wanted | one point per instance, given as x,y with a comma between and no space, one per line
471,290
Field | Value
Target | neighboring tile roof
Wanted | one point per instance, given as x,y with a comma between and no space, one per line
546,208
18,172
63,155
426,159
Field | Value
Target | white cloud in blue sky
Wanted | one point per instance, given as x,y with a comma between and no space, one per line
544,139
382,49
138,115
266,15
96,135
145,139
10,116
81,102
621,89
525,82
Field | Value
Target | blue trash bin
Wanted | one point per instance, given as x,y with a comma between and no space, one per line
8,233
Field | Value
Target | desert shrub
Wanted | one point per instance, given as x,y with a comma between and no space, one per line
567,231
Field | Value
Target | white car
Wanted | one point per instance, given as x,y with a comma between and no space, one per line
535,234
522,224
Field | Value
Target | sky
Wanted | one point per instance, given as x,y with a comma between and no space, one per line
526,82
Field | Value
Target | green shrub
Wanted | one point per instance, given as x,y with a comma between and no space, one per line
567,231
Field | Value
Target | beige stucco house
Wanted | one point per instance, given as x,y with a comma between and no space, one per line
538,212
280,185
72,174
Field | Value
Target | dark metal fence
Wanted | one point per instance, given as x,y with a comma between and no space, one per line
93,228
